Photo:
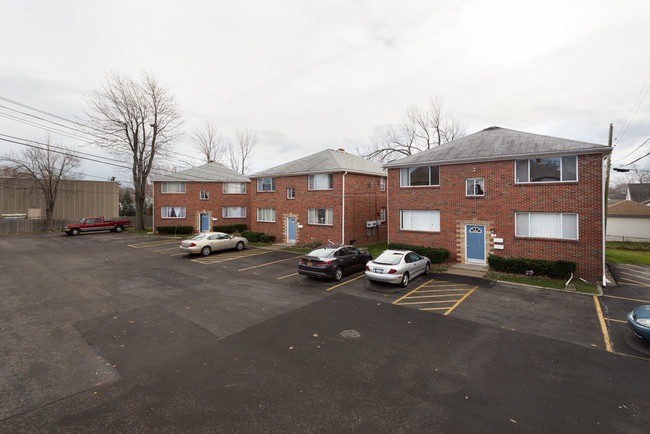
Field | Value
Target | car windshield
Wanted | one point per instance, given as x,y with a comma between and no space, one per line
389,258
321,253
198,237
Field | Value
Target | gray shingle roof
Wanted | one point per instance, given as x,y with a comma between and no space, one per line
628,208
639,192
497,143
210,172
327,161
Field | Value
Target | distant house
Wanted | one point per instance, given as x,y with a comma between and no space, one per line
330,196
201,197
628,221
638,193
503,192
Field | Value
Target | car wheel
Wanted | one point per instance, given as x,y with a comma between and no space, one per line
427,268
74,231
206,251
119,228
338,274
405,280
240,246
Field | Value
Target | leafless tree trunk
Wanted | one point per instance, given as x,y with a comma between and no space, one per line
47,164
241,148
208,142
638,175
138,120
422,128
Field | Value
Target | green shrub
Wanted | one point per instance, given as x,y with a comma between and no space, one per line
177,229
267,238
253,237
559,269
435,255
230,229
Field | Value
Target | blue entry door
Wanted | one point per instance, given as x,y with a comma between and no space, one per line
291,229
475,240
205,222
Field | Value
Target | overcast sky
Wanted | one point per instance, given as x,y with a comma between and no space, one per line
311,75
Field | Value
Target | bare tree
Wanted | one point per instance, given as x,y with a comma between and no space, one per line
47,164
638,175
241,148
421,129
208,142
138,120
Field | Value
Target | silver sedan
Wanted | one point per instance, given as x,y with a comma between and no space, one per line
207,243
397,266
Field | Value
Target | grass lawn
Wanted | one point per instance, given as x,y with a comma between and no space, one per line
627,252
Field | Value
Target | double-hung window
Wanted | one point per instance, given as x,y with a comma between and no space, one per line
320,216
172,212
420,220
265,184
204,195
546,225
266,214
382,184
474,187
232,212
419,176
323,181
551,169
234,188
291,193
173,187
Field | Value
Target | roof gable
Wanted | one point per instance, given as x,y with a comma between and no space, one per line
327,161
628,208
210,172
638,192
497,143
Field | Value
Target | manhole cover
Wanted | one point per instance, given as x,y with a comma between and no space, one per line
350,334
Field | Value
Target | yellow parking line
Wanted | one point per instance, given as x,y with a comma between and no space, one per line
346,282
616,320
433,296
636,282
603,326
153,244
636,357
269,263
460,301
403,297
430,302
433,308
216,259
640,270
630,299
288,275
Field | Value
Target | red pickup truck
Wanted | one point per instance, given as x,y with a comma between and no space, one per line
94,224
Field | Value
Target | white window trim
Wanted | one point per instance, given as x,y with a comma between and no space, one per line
474,194
204,195
165,183
241,184
548,182
265,221
293,190
309,216
401,220
177,217
310,181
223,212
382,184
402,185
260,182
519,214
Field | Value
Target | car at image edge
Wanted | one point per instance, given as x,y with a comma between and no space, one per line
397,266
639,322
209,242
333,261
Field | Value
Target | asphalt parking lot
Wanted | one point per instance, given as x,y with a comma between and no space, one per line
120,332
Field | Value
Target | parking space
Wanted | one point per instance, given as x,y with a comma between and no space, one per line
441,296
632,290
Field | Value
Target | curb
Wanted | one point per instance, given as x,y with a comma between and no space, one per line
600,289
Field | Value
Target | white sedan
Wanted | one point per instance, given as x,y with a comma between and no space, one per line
207,243
397,266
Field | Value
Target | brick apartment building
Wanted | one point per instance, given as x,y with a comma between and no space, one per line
330,196
201,197
503,192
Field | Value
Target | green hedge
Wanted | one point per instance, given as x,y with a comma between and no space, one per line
253,237
267,238
178,229
435,255
560,269
230,229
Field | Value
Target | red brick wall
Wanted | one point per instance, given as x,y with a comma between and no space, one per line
194,206
363,202
497,211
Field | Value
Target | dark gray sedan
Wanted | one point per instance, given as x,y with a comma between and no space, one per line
333,261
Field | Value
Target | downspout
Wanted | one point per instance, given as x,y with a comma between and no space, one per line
153,210
606,198
343,211
387,210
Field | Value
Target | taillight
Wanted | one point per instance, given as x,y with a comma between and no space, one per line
192,244
301,261
392,271
367,268
326,263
